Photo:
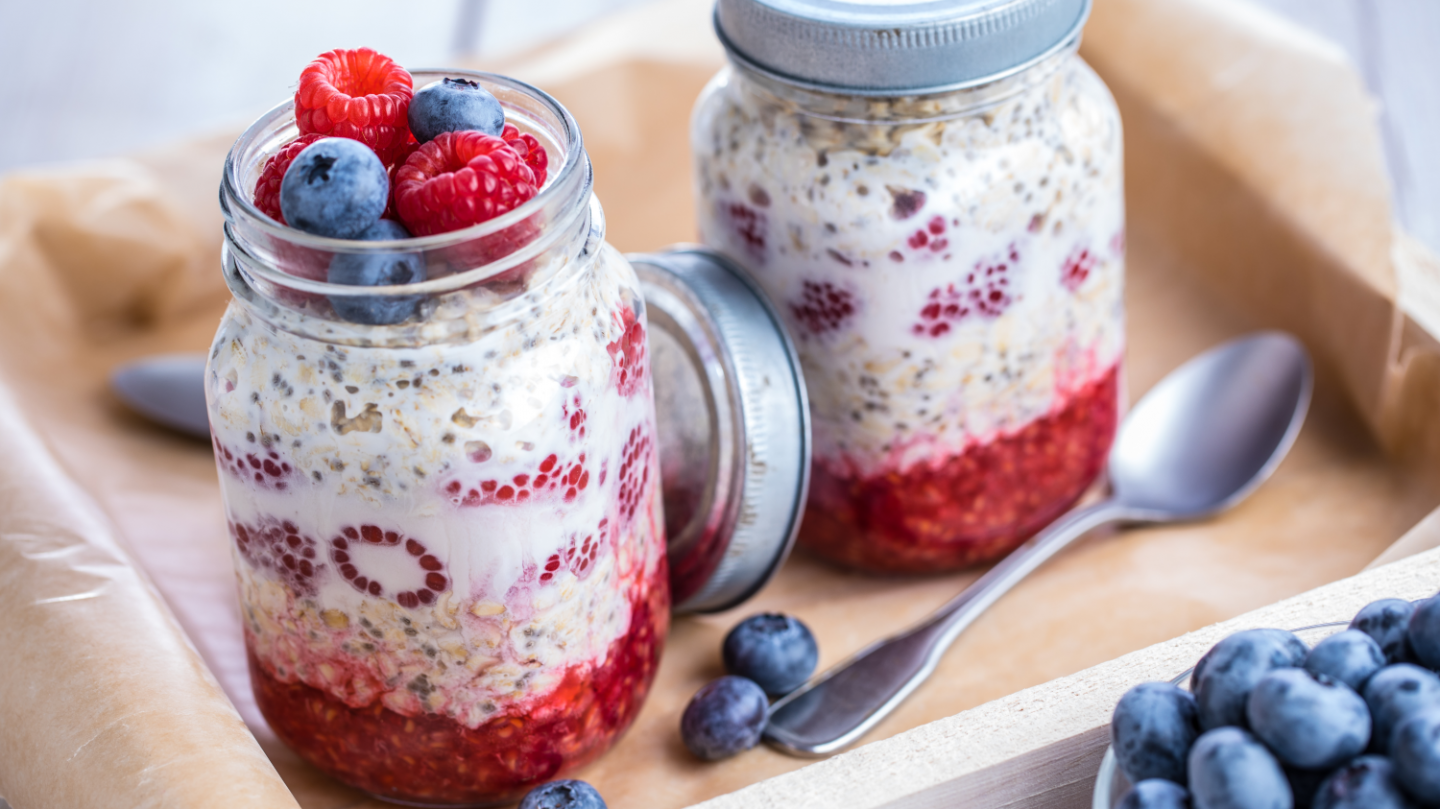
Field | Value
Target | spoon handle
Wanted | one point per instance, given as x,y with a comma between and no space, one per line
844,702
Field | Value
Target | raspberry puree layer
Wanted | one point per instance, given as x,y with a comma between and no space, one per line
965,508
430,758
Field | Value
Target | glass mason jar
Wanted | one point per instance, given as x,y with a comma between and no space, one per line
447,531
941,222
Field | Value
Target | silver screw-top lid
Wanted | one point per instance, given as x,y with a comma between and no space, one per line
895,47
733,424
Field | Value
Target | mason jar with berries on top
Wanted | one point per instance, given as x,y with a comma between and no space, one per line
931,195
433,418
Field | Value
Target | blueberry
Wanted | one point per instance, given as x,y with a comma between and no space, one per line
568,794
1394,693
336,187
1348,657
374,270
452,105
1309,722
1233,666
1415,749
1385,621
1155,793
1422,633
1229,769
1368,782
1152,729
776,651
724,717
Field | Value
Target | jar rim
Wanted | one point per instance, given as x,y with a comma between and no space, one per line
573,180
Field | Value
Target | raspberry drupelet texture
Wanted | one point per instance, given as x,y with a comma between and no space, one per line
267,188
358,94
464,178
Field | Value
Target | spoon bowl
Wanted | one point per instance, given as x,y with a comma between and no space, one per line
1213,429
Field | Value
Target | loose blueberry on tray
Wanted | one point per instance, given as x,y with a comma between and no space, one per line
1230,769
376,270
1152,730
452,105
335,187
567,794
1415,748
1349,657
725,717
777,651
1423,633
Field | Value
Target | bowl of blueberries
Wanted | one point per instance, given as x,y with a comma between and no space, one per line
1266,720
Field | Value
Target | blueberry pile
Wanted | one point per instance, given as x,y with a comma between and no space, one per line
1270,724
766,655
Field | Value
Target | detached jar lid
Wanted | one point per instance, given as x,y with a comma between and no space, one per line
733,422
895,47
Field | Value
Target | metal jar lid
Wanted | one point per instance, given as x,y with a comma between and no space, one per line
733,423
895,47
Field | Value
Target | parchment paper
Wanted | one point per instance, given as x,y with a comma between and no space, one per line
1256,197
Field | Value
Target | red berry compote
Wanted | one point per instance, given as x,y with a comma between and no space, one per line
951,267
447,532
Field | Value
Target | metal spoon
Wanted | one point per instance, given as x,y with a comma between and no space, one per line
168,389
1197,444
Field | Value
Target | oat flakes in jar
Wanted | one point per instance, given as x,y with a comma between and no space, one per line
931,195
448,530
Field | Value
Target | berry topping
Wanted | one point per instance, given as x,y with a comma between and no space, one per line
529,150
566,794
357,94
352,544
822,307
335,187
628,352
267,188
775,650
724,717
1152,729
461,179
451,105
377,270
278,546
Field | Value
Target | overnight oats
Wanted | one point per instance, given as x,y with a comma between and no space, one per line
441,491
950,262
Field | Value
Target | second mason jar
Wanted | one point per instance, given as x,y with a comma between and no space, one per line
931,194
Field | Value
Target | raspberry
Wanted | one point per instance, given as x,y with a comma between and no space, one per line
462,179
359,94
984,291
528,148
822,307
266,470
352,540
267,188
634,475
1077,267
278,546
628,353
